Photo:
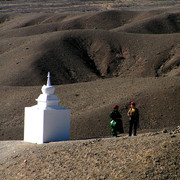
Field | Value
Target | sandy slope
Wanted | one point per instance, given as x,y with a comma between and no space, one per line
86,46
147,156
117,53
91,103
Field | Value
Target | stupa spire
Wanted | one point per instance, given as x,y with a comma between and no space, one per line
48,79
48,99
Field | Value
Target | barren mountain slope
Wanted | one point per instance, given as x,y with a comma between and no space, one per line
31,46
99,53
117,52
91,103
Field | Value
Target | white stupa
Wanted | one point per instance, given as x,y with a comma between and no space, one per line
46,121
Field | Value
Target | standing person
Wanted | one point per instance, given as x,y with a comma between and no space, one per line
116,121
133,114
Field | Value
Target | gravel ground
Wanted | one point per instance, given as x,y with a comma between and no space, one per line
146,156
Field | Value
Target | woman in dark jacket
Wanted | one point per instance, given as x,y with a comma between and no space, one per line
116,121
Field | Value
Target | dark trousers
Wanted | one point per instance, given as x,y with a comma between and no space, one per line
117,129
132,126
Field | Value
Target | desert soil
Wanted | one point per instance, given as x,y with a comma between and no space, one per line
146,156
99,53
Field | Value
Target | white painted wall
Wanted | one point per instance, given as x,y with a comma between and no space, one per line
56,125
33,125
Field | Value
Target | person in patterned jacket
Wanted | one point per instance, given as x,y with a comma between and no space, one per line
133,115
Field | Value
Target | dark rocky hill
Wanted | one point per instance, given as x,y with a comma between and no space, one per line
97,58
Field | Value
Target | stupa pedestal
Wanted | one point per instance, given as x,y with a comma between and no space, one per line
46,121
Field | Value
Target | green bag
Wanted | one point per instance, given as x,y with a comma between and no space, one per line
112,123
